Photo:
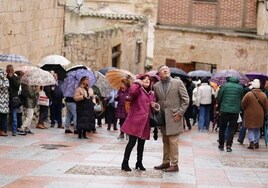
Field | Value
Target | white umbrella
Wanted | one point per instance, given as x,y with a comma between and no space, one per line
38,77
26,68
103,84
54,60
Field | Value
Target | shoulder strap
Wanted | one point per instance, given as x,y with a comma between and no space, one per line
258,100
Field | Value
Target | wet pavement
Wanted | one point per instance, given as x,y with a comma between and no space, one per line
51,159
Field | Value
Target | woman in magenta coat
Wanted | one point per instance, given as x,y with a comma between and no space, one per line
137,124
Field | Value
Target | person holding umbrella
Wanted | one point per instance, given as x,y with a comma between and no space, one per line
4,102
137,124
83,96
14,86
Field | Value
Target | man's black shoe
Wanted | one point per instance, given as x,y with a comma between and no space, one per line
221,148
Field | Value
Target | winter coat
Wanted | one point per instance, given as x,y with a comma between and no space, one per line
30,96
84,108
120,111
204,94
230,95
4,94
56,93
176,100
137,121
253,111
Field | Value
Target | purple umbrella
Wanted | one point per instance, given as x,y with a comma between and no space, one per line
220,77
257,75
73,78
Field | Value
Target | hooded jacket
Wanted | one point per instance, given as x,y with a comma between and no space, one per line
230,96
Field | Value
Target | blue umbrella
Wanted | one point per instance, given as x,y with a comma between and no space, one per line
9,58
176,72
200,73
73,78
105,70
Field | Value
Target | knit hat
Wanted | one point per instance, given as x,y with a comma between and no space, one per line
255,83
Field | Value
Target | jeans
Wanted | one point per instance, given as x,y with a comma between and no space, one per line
14,121
230,120
3,122
204,117
70,113
254,135
242,133
43,111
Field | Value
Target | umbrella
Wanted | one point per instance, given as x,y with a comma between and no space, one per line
9,58
57,68
38,77
75,67
178,72
154,74
55,59
220,76
26,68
73,78
103,84
105,70
200,73
257,75
116,76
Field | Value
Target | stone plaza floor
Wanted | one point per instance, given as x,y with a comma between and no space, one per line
52,159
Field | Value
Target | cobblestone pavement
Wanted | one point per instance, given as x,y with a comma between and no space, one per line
51,159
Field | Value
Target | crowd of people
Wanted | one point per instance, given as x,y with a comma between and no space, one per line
229,108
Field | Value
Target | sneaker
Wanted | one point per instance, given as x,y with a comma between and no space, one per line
229,149
14,134
240,142
68,131
52,126
75,132
28,131
22,133
60,127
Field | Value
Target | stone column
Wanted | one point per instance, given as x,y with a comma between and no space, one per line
262,17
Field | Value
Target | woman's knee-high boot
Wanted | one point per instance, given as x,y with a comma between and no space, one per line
140,149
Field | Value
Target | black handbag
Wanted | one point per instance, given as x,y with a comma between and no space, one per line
16,102
157,119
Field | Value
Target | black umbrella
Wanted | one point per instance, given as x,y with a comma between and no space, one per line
176,72
106,69
57,68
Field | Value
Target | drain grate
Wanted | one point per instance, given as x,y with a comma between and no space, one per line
52,146
112,171
243,163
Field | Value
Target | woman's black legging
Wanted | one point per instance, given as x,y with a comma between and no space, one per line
130,145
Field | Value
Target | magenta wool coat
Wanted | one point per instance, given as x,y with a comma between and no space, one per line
137,121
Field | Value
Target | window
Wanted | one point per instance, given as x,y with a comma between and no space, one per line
116,53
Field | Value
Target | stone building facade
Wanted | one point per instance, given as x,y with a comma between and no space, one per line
212,35
102,37
32,28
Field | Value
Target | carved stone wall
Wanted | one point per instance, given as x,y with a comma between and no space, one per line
33,28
